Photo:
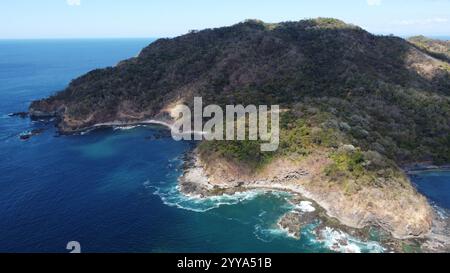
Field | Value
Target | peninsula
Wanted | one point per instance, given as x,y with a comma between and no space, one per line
357,107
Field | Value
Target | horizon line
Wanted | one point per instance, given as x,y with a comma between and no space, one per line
170,37
79,38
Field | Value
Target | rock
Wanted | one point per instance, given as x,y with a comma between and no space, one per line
25,137
292,224
348,148
19,114
34,132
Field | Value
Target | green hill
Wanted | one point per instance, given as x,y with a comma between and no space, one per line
368,103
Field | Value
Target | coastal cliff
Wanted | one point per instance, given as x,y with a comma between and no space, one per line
356,107
398,209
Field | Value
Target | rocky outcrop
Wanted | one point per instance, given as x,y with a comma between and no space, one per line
46,109
250,62
356,106
401,211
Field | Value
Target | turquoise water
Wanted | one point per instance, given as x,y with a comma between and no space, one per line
114,190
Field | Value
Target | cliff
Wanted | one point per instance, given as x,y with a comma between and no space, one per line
359,104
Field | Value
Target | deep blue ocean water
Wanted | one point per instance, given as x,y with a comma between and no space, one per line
436,186
114,190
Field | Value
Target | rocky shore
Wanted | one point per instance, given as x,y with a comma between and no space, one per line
310,207
29,134
425,166
349,120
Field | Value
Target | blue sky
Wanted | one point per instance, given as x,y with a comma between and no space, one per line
167,18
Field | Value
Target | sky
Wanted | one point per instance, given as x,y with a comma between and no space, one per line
35,19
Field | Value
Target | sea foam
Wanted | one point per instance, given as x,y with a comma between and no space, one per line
305,206
171,196
342,242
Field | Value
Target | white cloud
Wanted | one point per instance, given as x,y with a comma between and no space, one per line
74,2
428,21
374,2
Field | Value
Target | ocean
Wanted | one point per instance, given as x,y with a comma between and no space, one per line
115,190
435,185
443,38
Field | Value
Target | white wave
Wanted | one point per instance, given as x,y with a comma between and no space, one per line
339,241
125,128
267,235
441,212
87,131
305,206
171,196
328,238
177,159
262,213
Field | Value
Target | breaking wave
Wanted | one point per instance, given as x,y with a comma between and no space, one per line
171,196
339,241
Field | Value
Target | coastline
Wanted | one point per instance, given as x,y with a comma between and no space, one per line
196,183
305,212
119,124
425,167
